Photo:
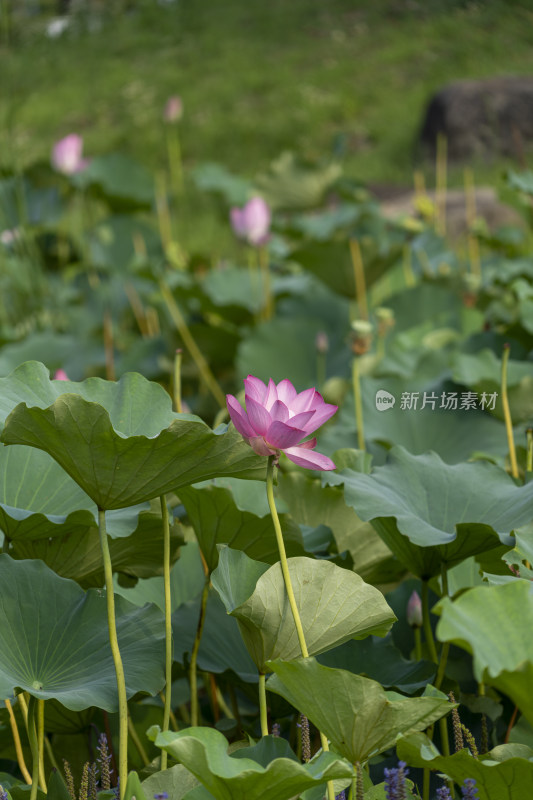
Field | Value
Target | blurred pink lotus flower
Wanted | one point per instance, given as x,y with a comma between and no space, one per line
252,222
414,611
8,237
277,418
61,375
66,155
174,109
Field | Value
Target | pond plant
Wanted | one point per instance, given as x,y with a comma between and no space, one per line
316,587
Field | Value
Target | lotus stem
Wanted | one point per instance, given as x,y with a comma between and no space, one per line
168,624
34,746
289,589
529,446
194,655
139,745
359,278
109,347
267,287
426,623
177,380
16,740
441,169
40,741
473,244
175,161
418,644
507,412
119,668
172,716
263,704
188,339
358,401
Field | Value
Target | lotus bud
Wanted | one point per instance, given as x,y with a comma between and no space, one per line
414,611
173,109
322,342
60,375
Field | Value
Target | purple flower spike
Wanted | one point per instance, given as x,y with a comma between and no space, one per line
277,418
443,793
395,788
252,222
469,789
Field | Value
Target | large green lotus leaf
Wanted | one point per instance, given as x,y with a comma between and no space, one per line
380,660
335,605
39,500
497,777
216,520
454,434
54,641
430,513
79,556
221,646
311,504
494,624
355,713
235,286
267,771
482,372
120,441
112,243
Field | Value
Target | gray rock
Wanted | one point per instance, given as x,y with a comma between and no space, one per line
481,118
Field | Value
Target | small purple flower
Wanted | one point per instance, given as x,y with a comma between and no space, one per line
66,155
3,793
443,793
395,788
252,222
161,796
469,789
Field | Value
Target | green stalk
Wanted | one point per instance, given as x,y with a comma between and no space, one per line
358,404
16,740
418,644
263,704
40,742
119,669
168,625
288,587
443,722
428,633
177,381
507,412
34,746
194,655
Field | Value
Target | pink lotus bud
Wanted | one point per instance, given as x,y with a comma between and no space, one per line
277,419
66,155
252,222
61,375
322,342
174,109
414,611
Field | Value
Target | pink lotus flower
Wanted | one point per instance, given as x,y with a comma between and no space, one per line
60,375
277,418
252,222
66,155
173,109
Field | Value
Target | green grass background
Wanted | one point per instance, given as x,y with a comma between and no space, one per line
324,78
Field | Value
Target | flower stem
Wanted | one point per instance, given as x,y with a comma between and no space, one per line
359,278
138,744
168,624
428,633
34,746
263,705
16,739
194,654
40,742
507,412
358,400
289,589
190,343
119,669
177,380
